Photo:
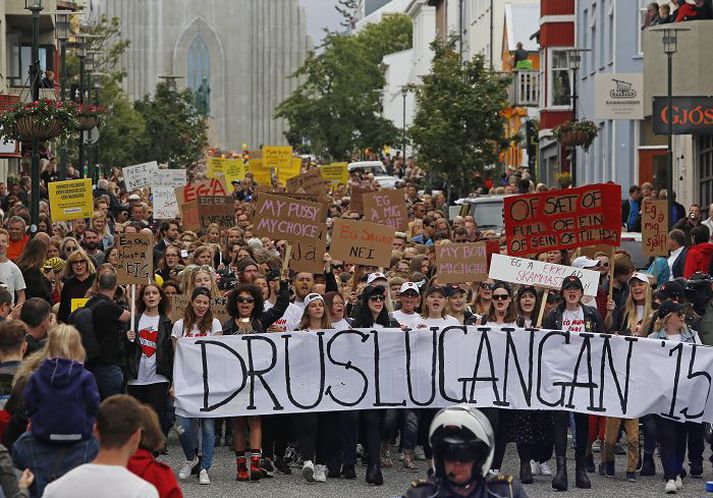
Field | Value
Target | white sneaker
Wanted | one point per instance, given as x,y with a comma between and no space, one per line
494,472
418,453
679,483
534,468
670,487
203,477
308,471
596,446
545,469
187,468
319,474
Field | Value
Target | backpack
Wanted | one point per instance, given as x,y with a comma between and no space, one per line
83,320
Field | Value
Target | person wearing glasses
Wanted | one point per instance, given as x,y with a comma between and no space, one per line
502,311
78,278
671,325
246,307
483,297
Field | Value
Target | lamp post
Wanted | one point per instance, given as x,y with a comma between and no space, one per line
35,6
82,54
575,61
62,34
670,45
404,93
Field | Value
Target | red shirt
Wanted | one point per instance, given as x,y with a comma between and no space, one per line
144,465
15,247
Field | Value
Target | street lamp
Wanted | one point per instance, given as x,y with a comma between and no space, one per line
35,6
670,45
62,29
82,54
404,93
171,81
575,61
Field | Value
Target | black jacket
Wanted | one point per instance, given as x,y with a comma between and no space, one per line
261,324
164,350
592,320
680,263
503,486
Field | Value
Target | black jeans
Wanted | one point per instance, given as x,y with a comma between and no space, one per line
696,444
378,425
155,395
275,434
342,444
316,431
581,424
648,425
672,445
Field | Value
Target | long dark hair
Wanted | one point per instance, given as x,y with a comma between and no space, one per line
363,313
190,318
33,255
254,291
163,306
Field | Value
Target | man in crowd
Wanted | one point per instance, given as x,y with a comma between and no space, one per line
92,245
10,275
16,227
631,210
168,233
12,350
691,221
38,319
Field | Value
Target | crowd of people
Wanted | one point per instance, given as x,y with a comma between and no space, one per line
677,11
70,353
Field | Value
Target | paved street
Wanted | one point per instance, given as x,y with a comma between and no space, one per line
396,481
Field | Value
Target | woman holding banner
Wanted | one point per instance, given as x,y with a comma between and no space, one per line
483,297
527,306
571,315
434,313
456,305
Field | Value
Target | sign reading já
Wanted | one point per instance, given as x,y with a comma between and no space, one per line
654,227
307,254
459,263
135,258
361,242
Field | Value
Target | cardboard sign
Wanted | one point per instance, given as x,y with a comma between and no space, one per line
361,242
356,199
135,258
460,263
218,306
192,191
540,274
279,218
307,254
310,182
386,207
216,209
563,219
169,178
165,206
654,227
335,172
139,175
284,173
71,199
277,156
77,302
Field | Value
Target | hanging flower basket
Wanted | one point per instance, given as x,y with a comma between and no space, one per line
87,122
90,116
576,133
39,120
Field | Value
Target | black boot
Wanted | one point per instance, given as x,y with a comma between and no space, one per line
649,467
581,479
559,481
526,472
373,475
590,463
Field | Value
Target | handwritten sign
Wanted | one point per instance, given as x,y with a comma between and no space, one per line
361,242
310,182
192,191
277,156
283,218
180,302
169,178
563,219
459,263
216,209
139,175
356,199
386,207
307,254
540,274
335,172
135,258
654,227
71,199
165,206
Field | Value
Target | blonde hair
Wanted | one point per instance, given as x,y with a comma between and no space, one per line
64,341
78,255
631,315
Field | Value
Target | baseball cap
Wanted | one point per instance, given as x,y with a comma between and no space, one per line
134,197
670,290
272,275
375,276
572,281
584,262
453,289
644,277
436,288
312,297
668,307
409,286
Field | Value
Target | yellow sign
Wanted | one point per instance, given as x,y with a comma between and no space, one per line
261,174
335,172
214,165
232,169
277,156
284,174
71,199
77,302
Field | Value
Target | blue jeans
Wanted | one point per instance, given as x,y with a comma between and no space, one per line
110,380
409,431
189,438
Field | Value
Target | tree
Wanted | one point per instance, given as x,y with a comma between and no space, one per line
175,133
458,127
337,106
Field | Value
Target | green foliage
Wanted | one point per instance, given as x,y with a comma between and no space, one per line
458,127
337,106
176,133
43,112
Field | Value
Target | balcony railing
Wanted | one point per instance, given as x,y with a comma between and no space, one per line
525,89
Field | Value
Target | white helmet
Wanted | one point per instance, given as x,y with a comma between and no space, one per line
462,433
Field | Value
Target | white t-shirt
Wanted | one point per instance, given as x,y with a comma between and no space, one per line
178,332
408,319
446,321
290,319
573,320
674,337
341,325
107,481
146,336
11,276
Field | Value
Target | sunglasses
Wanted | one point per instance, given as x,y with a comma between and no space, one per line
604,264
501,297
378,298
243,300
338,267
487,286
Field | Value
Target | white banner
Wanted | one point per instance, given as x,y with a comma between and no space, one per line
169,178
139,175
540,274
619,95
165,206
258,374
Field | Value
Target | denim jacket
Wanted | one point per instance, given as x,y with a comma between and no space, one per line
688,335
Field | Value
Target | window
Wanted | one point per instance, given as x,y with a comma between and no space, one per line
705,159
593,40
610,51
560,80
640,20
198,65
20,58
602,36
585,41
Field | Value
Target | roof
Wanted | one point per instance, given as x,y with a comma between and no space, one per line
520,22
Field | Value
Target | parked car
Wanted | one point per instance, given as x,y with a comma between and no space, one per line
487,211
376,168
